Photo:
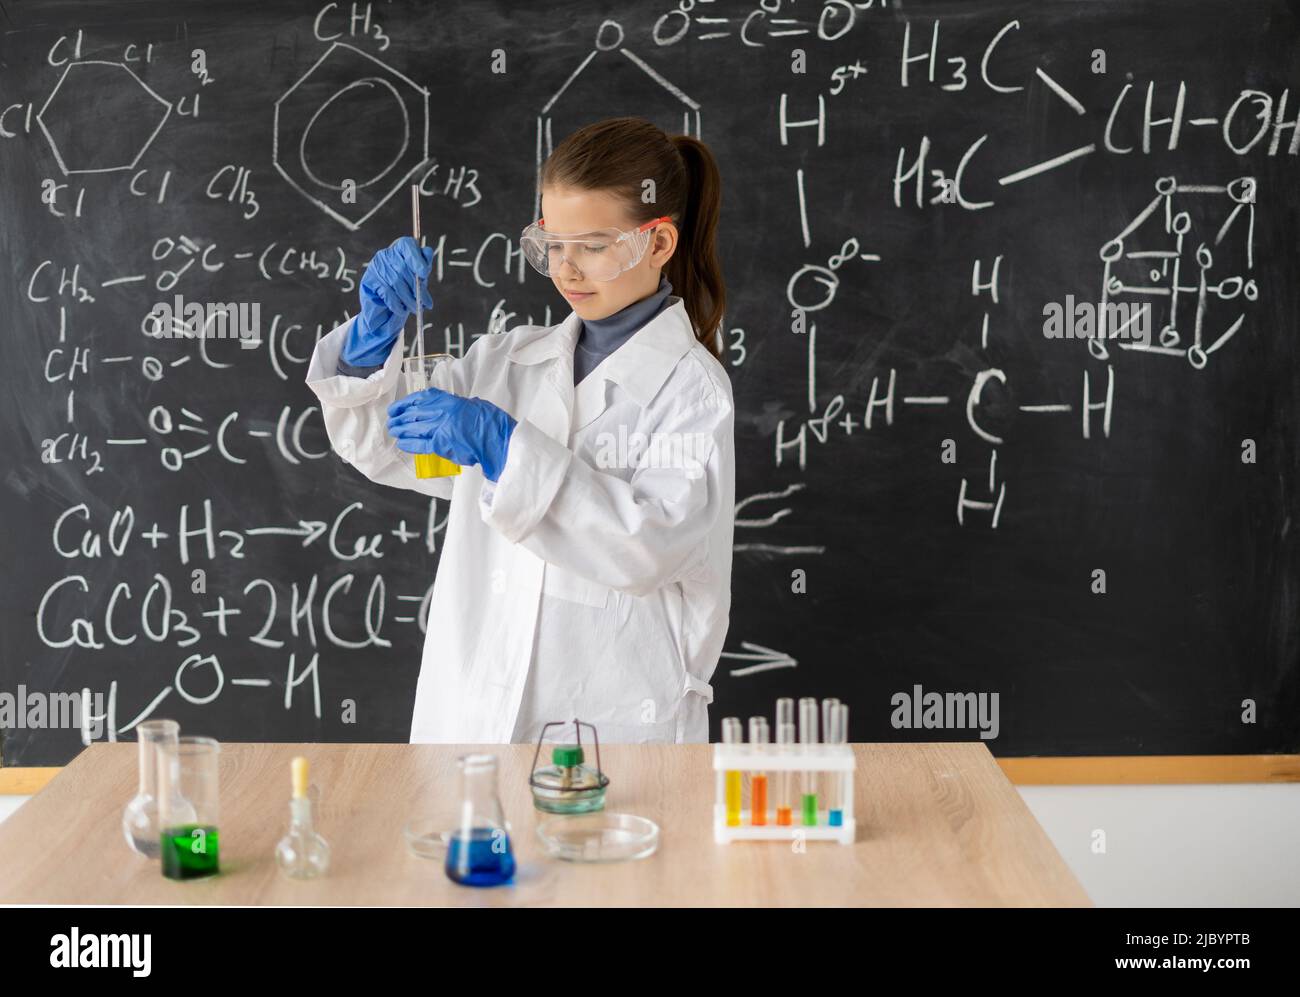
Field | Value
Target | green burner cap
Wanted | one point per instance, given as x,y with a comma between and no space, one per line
567,756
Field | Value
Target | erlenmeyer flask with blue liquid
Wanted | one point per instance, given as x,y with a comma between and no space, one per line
478,848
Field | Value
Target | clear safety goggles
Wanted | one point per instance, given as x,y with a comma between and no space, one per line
600,255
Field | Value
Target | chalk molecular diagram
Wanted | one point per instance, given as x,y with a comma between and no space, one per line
661,102
1164,273
385,115
87,92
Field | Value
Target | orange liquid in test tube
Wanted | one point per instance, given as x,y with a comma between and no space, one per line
758,799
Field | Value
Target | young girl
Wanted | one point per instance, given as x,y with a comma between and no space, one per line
586,566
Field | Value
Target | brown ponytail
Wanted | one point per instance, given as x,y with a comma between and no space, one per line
619,155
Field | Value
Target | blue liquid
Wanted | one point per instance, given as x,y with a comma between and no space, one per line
484,858
836,818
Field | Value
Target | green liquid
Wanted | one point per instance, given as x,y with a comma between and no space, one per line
810,809
189,851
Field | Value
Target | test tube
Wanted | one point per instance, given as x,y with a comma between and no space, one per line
733,792
838,734
758,735
807,736
784,736
827,781
784,803
828,707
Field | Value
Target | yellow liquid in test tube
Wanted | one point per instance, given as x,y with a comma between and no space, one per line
733,785
732,793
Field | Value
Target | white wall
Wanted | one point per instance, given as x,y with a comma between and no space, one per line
1177,846
8,804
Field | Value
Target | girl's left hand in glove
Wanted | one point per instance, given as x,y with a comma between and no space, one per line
464,430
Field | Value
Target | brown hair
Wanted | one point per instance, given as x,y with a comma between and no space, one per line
618,155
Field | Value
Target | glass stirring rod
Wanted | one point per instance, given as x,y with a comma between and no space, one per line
419,303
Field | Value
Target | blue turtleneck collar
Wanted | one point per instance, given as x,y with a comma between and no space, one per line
601,337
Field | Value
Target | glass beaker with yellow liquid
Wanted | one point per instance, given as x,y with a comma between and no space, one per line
418,374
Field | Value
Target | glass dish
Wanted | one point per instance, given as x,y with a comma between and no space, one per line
599,837
427,837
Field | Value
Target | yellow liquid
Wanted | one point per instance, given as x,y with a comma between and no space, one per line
732,797
430,465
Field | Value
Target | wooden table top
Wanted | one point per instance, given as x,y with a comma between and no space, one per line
938,825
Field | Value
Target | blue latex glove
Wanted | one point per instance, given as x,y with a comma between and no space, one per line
387,298
465,430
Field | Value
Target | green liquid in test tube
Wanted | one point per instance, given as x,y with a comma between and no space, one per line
808,736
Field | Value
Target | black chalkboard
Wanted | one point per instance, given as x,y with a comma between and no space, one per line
178,540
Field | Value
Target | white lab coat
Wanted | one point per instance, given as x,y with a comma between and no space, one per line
569,588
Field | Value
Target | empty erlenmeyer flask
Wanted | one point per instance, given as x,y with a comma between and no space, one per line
478,849
140,818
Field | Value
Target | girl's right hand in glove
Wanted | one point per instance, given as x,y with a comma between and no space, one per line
387,298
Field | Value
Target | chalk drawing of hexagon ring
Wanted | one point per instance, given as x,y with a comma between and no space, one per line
68,119
406,133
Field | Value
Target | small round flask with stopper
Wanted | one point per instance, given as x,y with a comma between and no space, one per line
302,853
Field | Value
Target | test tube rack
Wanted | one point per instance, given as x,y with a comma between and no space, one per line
833,763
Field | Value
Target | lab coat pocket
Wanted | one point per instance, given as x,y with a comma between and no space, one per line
564,584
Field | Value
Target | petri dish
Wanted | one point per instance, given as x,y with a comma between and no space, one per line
599,837
427,837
